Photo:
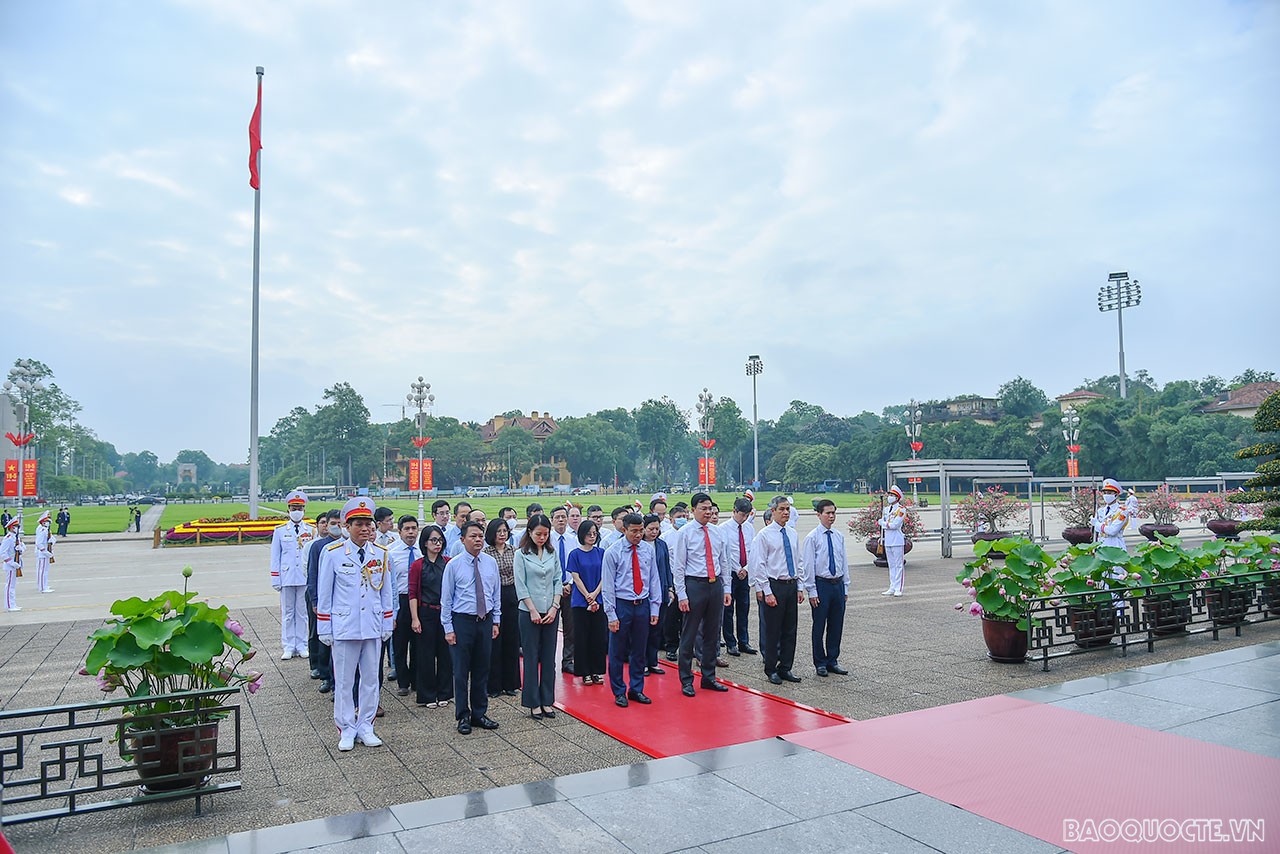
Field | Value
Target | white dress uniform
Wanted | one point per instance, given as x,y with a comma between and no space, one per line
354,611
11,549
290,544
44,553
1112,517
891,522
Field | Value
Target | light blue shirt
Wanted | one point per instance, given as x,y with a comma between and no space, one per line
816,560
458,588
769,559
537,579
618,580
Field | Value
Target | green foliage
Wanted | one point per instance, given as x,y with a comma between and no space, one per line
1020,399
1265,488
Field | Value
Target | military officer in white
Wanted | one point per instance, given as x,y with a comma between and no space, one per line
1112,517
891,522
289,545
44,552
11,549
354,616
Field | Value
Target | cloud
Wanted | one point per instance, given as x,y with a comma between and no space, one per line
77,196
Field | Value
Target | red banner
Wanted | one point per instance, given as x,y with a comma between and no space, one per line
29,478
706,471
1073,468
11,478
427,472
415,478
255,138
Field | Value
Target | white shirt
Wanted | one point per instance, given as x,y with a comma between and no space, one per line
689,557
729,530
562,557
769,558
814,557
400,555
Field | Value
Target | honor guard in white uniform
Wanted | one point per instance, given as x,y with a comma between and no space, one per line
44,552
891,535
354,616
289,545
11,549
1112,517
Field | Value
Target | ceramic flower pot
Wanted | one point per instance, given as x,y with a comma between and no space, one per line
1006,643
171,759
990,536
1224,529
1166,614
1149,531
873,546
1229,605
1077,536
1093,625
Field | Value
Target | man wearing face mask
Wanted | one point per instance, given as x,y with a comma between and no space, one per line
1112,517
330,533
289,545
894,542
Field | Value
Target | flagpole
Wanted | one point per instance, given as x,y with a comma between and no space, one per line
253,370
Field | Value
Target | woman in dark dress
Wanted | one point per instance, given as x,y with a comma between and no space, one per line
504,665
590,625
434,664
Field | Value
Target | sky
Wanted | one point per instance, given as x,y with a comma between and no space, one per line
572,206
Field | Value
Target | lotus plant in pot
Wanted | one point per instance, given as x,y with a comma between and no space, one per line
1090,579
1000,590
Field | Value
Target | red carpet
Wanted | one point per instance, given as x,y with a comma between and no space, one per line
1033,766
675,724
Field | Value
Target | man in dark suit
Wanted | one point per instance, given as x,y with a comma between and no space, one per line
653,536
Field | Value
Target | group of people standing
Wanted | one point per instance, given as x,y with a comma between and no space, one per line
12,549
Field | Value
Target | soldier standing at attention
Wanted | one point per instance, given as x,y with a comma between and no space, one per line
354,617
289,544
1112,517
894,541
11,549
44,553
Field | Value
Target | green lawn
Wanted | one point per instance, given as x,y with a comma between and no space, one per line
177,513
93,519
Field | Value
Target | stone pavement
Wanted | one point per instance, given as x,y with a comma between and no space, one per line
905,654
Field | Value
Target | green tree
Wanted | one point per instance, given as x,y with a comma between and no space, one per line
456,459
1252,376
1020,399
341,427
660,428
591,447
731,432
515,450
808,465
1265,488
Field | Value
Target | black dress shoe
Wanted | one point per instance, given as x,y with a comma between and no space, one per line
687,690
391,677
671,656
713,685
775,679
402,692
317,674
788,676
326,686
508,693
733,650
822,671
620,701
838,670
549,713
464,727
639,697
484,722
747,650
655,671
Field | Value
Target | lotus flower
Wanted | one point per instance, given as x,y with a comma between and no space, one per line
1089,582
187,572
255,685
248,655
235,628
968,582
975,609
959,606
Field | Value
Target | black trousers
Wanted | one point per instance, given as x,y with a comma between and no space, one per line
706,604
778,646
828,622
738,613
566,624
671,629
313,640
401,644
434,662
471,665
591,633
657,634
539,643
504,666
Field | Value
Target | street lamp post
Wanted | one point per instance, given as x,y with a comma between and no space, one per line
24,381
705,424
1116,295
421,397
755,367
1071,433
915,415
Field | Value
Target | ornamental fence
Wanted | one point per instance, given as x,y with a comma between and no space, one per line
87,757
1071,624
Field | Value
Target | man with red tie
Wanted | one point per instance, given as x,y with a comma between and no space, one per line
738,533
632,593
701,570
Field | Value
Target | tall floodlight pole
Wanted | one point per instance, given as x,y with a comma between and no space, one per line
1116,295
705,425
915,415
1071,433
24,381
755,368
421,397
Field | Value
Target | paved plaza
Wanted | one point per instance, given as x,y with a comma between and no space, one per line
905,654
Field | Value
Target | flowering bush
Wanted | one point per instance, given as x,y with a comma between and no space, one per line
1077,511
999,590
864,522
1162,506
166,645
987,511
1214,505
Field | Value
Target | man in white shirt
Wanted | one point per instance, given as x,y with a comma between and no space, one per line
776,573
825,568
472,516
453,533
562,543
701,572
738,533
400,555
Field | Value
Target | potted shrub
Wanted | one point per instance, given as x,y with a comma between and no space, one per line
1077,514
999,592
167,645
1262,553
864,524
1090,575
1165,511
1222,516
985,514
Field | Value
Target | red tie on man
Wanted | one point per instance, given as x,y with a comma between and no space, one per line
711,564
742,548
635,569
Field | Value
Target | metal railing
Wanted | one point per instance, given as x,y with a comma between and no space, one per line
1071,624
58,761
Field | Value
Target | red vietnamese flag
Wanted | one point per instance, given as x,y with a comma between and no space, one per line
255,138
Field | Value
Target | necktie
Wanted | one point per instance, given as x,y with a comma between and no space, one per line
481,607
742,547
360,551
831,555
786,547
413,554
635,569
296,529
711,564
563,560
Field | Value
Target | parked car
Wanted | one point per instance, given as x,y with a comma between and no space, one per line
478,492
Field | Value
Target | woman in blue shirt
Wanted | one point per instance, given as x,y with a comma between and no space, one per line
590,627
539,586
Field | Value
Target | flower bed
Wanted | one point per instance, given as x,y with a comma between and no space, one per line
232,529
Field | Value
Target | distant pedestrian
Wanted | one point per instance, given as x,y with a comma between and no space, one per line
137,520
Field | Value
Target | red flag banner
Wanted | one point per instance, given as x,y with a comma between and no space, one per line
29,478
255,138
11,478
711,471
702,471
414,476
427,481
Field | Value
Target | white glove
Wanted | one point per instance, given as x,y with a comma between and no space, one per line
386,636
327,640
